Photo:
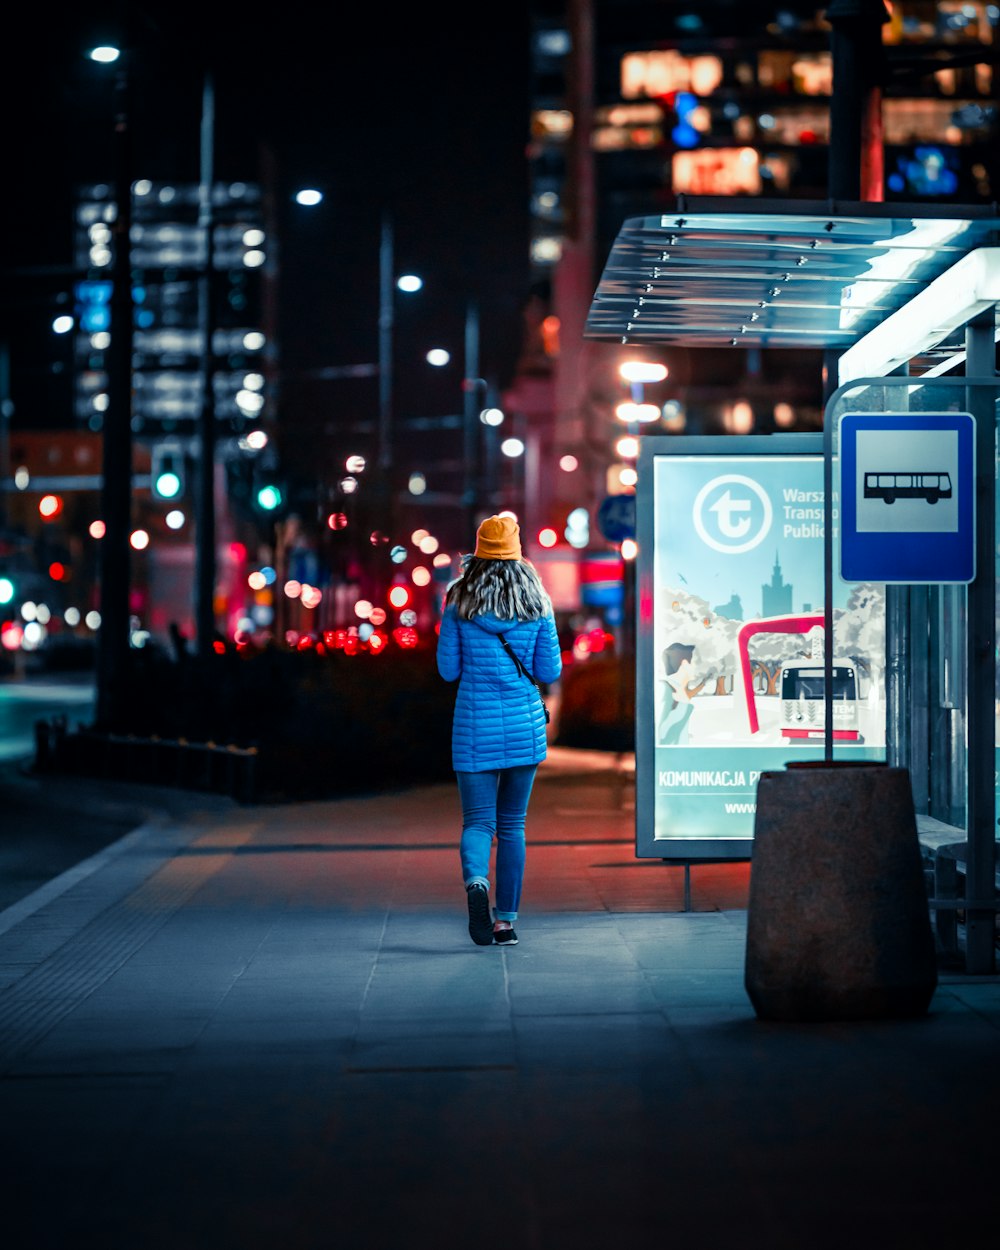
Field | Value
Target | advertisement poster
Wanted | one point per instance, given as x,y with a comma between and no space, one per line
731,643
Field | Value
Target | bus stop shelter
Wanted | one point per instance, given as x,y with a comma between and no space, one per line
902,300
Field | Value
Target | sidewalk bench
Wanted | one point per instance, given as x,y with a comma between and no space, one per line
945,849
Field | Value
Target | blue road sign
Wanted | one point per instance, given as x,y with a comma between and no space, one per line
907,497
616,517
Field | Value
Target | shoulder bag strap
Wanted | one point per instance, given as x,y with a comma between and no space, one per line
507,647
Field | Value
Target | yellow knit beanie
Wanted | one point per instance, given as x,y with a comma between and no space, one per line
498,538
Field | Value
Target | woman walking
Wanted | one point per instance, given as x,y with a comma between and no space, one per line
498,638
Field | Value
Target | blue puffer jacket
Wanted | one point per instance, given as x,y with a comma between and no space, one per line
499,720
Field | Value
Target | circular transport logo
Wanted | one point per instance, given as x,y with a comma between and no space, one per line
732,513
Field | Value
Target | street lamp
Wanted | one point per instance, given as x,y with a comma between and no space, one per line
116,484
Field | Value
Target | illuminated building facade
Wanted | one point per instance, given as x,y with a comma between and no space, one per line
636,103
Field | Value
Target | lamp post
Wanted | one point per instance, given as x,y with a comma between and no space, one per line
205,499
116,487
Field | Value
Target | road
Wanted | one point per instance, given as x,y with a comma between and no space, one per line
50,824
40,698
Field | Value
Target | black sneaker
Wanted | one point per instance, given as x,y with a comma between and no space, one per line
480,921
505,937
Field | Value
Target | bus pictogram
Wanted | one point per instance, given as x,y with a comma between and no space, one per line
892,486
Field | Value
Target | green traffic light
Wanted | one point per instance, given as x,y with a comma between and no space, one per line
168,485
7,589
269,498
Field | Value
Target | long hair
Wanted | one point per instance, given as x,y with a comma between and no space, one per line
508,589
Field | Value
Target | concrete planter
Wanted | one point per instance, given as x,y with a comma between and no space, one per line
838,926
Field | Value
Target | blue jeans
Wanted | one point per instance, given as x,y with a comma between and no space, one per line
496,803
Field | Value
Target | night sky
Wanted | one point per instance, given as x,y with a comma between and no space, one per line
422,112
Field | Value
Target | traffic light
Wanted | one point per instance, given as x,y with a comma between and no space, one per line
167,471
269,497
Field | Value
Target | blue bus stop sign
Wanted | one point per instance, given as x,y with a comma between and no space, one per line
907,497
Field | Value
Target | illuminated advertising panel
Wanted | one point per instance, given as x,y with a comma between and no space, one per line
730,670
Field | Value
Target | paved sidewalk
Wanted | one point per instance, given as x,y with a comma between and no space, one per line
266,1027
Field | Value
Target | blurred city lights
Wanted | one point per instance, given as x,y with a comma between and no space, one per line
491,416
311,596
631,411
308,197
363,609
438,357
628,476
62,324
428,545
254,258
408,617
442,560
49,506
57,570
22,478
577,532
630,549
355,464
72,617
397,555
547,537
293,588
138,540
739,418
28,610
175,519
399,596
627,447
377,616
96,529
418,536
417,484
784,415
337,520
253,238
421,576
7,590
254,341
256,580
568,464
105,54
270,576
250,403
674,416
512,447
348,485
642,371
92,620
409,282
11,635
